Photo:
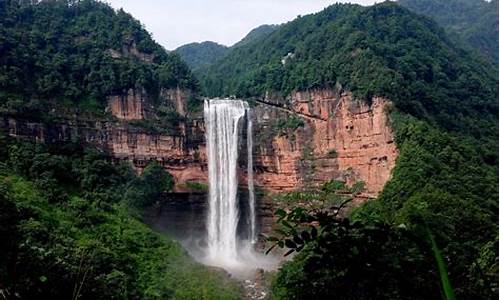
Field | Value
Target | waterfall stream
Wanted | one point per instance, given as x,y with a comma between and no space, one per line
224,120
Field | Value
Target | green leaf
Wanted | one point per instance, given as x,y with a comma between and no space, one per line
298,240
271,248
314,233
272,239
280,213
286,224
305,235
282,232
443,273
290,244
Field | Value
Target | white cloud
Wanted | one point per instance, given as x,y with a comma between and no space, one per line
177,22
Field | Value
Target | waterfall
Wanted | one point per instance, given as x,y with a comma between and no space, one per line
223,119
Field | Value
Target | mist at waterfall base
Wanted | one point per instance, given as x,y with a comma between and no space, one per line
228,244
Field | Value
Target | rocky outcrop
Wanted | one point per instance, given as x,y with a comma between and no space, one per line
176,98
135,104
131,105
183,215
129,49
181,154
342,138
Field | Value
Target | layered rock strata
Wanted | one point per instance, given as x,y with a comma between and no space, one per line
339,138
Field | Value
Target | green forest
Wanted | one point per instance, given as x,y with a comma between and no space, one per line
199,55
59,54
71,217
69,231
472,22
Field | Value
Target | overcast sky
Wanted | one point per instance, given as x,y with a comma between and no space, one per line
177,22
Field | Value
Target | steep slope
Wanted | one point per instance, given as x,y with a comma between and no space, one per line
474,23
409,60
199,55
256,33
442,106
73,55
80,71
67,231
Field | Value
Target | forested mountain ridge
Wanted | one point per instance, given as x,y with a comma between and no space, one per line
256,33
199,55
382,50
472,22
74,54
65,210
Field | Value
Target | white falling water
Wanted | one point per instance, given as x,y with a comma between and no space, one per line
223,119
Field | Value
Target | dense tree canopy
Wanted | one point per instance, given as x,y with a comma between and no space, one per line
255,34
473,22
199,55
70,223
382,50
65,211
68,231
75,53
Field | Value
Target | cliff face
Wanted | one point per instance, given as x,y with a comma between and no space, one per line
341,138
132,105
135,104
180,151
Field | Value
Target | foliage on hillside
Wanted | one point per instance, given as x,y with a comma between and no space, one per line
383,50
256,34
73,54
67,231
473,22
200,55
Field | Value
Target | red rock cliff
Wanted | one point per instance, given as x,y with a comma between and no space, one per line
132,105
343,139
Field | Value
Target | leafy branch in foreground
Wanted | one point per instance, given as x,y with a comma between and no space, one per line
355,259
301,224
300,227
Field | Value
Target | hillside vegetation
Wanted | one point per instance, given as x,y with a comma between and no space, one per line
472,22
69,230
73,54
382,50
69,217
199,55
256,33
